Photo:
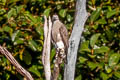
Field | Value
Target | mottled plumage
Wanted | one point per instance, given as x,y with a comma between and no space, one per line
59,36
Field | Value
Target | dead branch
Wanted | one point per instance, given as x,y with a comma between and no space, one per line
47,48
56,70
17,66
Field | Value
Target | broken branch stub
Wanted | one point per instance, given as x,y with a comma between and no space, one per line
47,48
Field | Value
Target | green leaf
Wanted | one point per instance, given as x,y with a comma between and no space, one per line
92,65
113,25
108,69
95,26
31,17
47,12
85,47
33,45
39,19
101,21
95,14
94,39
82,59
109,34
19,41
78,77
102,49
59,7
15,34
19,8
12,12
7,29
104,76
34,70
101,65
39,30
27,58
59,77
52,54
69,18
117,74
1,18
91,56
2,11
62,13
111,13
114,59
7,75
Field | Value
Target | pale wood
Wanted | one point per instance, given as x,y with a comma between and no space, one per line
17,66
47,48
56,69
81,16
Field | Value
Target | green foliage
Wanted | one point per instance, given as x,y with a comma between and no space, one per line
21,32
114,59
47,12
95,14
34,69
93,39
111,13
102,49
78,78
99,54
62,13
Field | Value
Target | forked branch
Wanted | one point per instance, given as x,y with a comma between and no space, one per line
47,48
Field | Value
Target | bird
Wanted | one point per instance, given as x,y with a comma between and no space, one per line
59,36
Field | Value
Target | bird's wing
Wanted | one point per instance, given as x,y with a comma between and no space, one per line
53,38
64,35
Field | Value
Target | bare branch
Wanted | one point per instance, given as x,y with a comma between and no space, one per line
80,19
46,48
56,70
45,39
18,67
92,8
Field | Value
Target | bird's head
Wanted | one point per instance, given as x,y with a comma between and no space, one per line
55,17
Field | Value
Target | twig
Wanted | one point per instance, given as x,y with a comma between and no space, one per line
92,8
18,67
46,48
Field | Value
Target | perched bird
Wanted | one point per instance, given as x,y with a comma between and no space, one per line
59,38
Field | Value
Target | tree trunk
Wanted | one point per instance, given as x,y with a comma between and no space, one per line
80,19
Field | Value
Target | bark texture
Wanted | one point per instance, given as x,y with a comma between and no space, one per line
17,66
47,48
81,16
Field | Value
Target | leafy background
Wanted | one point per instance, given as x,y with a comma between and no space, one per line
21,32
